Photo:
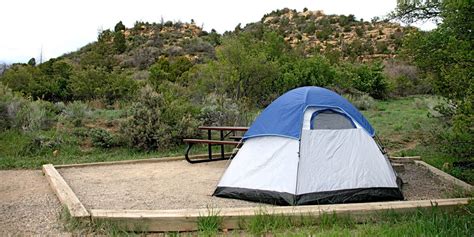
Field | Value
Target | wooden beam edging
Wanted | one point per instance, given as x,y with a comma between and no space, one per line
445,175
139,161
232,218
406,159
64,193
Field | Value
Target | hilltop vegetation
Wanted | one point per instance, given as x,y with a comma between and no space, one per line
145,88
336,36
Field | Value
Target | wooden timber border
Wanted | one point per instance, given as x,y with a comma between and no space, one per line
65,194
233,218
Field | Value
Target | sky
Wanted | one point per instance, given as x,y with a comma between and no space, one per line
56,27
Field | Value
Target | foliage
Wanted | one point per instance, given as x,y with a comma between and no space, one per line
98,83
449,67
120,44
10,105
219,111
362,101
411,11
405,79
102,138
119,26
75,113
35,115
370,79
157,123
168,69
209,224
32,62
144,127
40,144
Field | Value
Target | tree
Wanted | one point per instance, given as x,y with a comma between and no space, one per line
445,55
410,11
119,27
120,43
32,62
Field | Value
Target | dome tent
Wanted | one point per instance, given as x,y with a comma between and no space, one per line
310,146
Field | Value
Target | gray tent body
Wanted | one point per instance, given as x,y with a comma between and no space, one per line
335,161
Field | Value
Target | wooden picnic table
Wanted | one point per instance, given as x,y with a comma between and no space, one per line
224,132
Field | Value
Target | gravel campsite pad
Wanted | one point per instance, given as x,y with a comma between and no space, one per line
28,206
180,185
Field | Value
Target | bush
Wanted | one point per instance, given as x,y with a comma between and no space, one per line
75,113
219,111
168,70
145,127
10,104
34,116
370,79
457,143
362,101
41,144
406,79
102,138
120,43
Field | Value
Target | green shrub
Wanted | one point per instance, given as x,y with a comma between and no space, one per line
145,127
120,43
457,143
370,79
382,47
119,26
219,111
35,115
168,70
360,31
310,28
102,138
119,87
40,144
362,101
75,113
10,105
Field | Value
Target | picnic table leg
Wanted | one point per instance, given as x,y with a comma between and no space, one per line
186,155
209,147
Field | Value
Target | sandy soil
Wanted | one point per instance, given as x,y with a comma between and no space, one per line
179,185
28,206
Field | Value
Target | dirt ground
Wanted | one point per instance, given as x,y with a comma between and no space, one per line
28,206
179,185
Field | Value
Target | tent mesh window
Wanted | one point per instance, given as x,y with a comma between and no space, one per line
329,119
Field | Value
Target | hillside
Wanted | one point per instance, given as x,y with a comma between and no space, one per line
145,43
312,32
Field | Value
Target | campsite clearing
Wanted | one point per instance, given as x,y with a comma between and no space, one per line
180,185
173,195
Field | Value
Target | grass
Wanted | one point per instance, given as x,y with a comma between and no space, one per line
209,225
402,123
431,222
458,221
405,127
79,227
15,147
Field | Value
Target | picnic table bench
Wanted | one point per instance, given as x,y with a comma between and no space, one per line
224,132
